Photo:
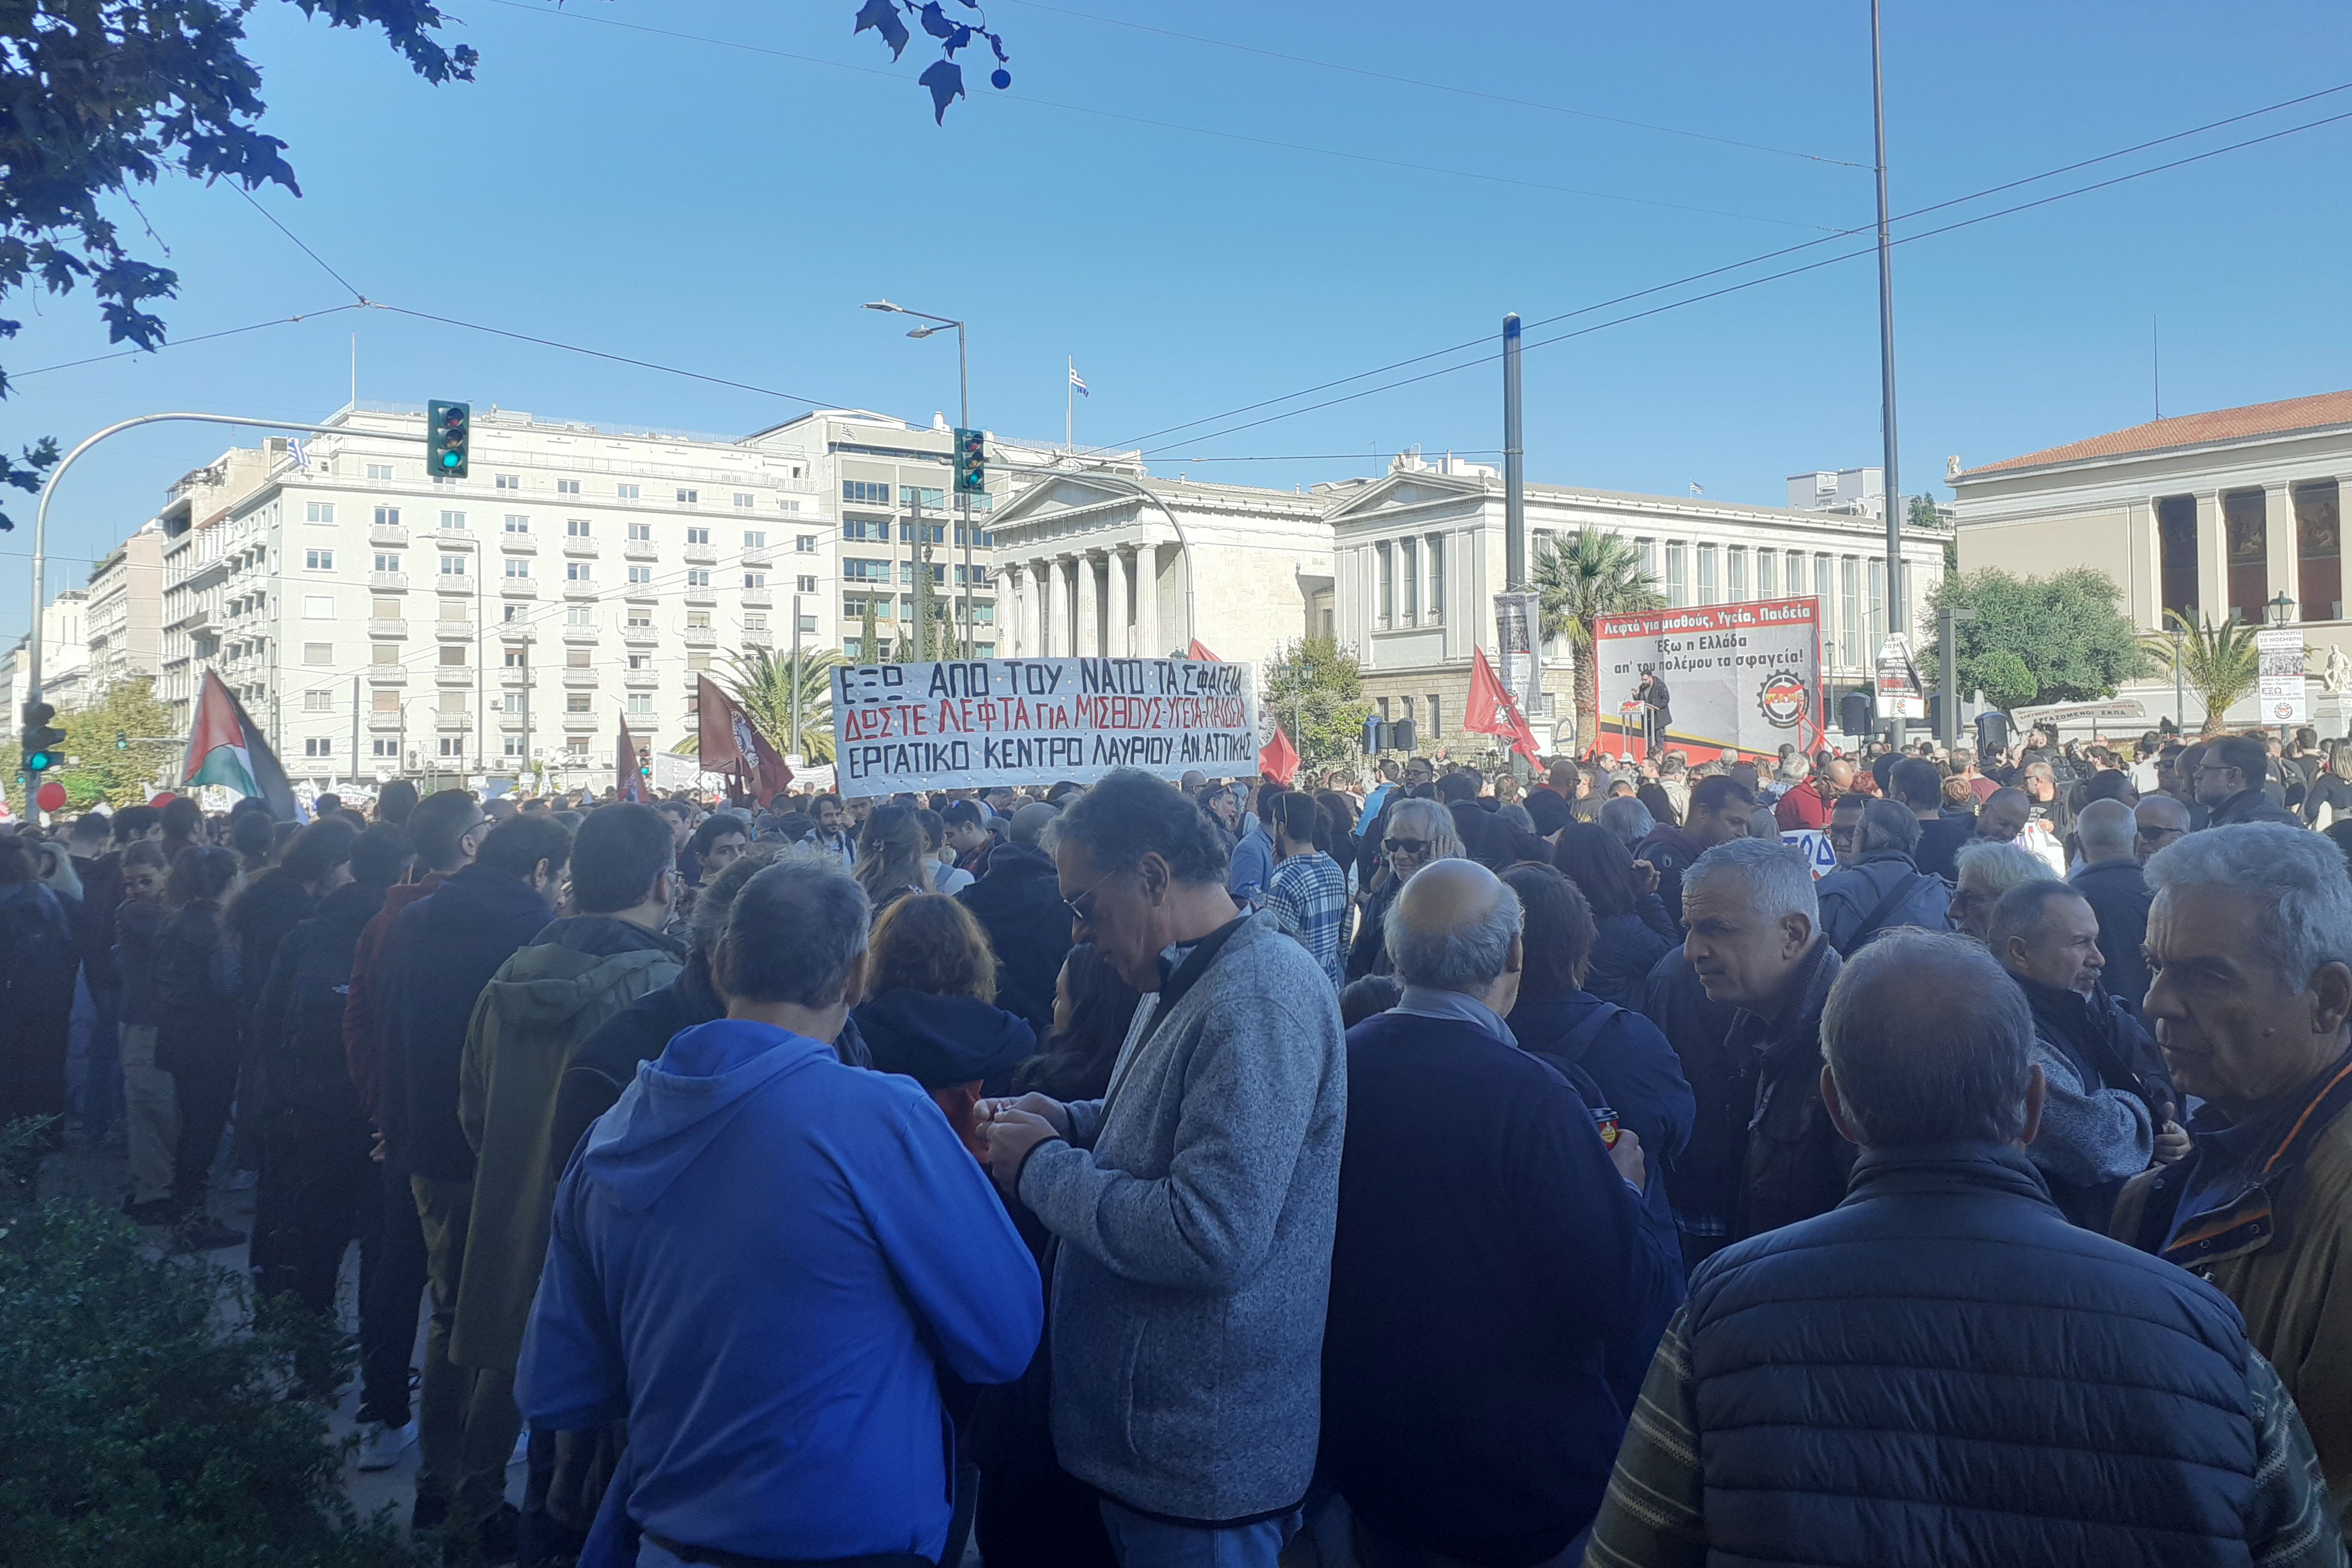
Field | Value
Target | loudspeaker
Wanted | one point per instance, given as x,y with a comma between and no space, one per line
1857,713
1992,732
1402,736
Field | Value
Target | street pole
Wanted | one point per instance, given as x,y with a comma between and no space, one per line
963,497
1895,621
797,677
355,729
2180,694
1514,475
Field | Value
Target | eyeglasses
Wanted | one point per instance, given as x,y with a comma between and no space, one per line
1405,845
1082,908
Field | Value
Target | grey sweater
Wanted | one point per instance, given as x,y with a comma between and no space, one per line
1195,1205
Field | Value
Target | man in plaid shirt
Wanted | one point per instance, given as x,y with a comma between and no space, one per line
1308,894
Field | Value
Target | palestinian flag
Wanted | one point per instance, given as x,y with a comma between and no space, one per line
225,748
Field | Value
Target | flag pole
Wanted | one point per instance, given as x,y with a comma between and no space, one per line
1070,406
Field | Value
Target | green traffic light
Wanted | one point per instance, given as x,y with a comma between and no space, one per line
39,763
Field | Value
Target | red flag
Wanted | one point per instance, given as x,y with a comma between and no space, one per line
1278,759
626,784
730,744
1200,650
1491,711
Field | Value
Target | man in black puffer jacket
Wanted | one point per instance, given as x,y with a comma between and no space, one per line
1942,1369
1019,903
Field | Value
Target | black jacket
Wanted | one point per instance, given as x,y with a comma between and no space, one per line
1493,842
1671,849
2109,1049
1941,839
198,1024
271,906
1549,809
1852,896
1795,1161
2118,894
2250,806
1019,903
1625,948
1704,1183
303,1077
1368,952
138,936
442,951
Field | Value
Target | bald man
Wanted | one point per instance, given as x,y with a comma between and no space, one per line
1808,805
2110,879
2004,816
1476,1182
2159,820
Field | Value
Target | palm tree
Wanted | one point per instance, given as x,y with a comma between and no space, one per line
2220,664
1586,574
761,684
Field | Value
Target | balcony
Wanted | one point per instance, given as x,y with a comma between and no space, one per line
385,722
645,634
453,722
644,591
576,546
455,583
639,679
518,544
389,581
580,634
387,675
517,632
701,636
387,628
758,637
640,549
701,593
454,631
758,598
514,677
759,556
701,555
387,535
452,675
579,589
518,588
574,680
453,538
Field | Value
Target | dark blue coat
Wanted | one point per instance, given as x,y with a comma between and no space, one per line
1625,948
1487,1261
1942,1369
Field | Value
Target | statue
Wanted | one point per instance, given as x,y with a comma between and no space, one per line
2337,679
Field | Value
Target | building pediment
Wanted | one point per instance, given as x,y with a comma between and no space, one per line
1408,491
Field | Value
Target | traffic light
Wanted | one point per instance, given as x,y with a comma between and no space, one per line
122,739
970,460
44,746
448,432
645,761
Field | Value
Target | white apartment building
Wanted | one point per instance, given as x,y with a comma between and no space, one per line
377,620
123,624
65,652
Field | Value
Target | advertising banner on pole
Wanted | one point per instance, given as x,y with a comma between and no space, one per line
984,722
1741,677
2279,682
1516,638
1899,696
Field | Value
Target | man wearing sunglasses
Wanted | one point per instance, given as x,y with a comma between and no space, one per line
1194,1202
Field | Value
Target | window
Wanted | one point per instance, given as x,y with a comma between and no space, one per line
916,496
384,701
981,537
1678,573
688,497
697,620
318,653
456,610
509,481
567,486
387,517
576,571
453,521
929,532
316,746
318,702
518,566
857,570
757,621
511,613
641,704
452,656
514,747
454,745
641,533
1384,573
1737,559
1874,624
876,528
1436,724
804,585
319,561
579,659
755,540
746,498
509,703
641,574
698,661
641,661
578,702
858,492
385,748
379,473
579,615
806,544
575,528
318,607
698,577
1849,610
319,512
517,524
386,563
698,536
517,659
384,655
639,617
1768,583
755,579
1410,599
1706,573
627,492
1436,577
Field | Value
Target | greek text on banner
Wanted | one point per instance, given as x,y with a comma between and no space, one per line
988,721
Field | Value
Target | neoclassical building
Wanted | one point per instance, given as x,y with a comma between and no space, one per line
1104,563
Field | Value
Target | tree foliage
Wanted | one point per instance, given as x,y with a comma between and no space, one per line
760,682
2220,664
2035,639
943,76
99,772
1576,579
1315,690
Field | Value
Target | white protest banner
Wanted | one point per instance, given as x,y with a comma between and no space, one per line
984,722
2279,687
1814,846
1739,677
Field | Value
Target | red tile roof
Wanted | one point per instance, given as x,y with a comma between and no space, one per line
2195,430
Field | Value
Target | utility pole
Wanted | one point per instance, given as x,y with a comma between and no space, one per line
355,729
1514,473
797,677
1896,622
1949,682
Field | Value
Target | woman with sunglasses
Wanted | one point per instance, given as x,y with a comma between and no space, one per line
1419,831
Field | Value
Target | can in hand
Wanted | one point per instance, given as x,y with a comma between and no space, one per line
1606,1119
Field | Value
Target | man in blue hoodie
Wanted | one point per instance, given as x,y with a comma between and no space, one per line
761,1257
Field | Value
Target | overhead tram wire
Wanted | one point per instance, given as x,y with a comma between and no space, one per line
1769,277
182,342
1482,341
1188,129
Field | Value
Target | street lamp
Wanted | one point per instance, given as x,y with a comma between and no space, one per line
2281,609
963,497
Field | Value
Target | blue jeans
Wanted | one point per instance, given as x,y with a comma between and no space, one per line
1143,1543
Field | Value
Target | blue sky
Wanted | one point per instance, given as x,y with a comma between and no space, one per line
725,207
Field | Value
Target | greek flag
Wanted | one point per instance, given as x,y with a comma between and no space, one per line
1078,384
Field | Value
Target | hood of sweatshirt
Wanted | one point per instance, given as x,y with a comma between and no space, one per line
683,1100
476,901
575,965
940,1041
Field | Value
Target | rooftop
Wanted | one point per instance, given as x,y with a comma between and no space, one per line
2296,413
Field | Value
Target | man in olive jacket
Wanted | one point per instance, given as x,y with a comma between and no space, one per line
530,1021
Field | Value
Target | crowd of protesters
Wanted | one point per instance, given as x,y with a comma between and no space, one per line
1204,1172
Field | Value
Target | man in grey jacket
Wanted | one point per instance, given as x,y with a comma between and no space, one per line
1194,1202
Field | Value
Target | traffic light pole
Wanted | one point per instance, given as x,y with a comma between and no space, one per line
49,490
